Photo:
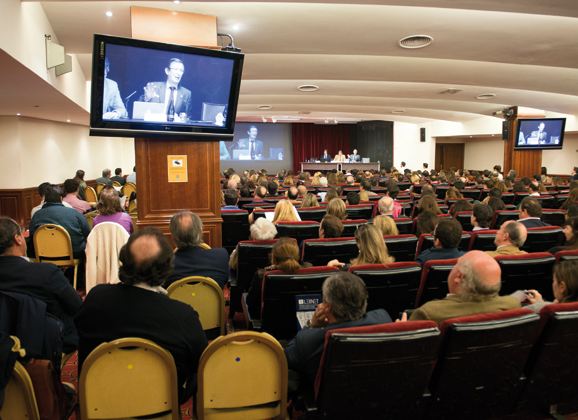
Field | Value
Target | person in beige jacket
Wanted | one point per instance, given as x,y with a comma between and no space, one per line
509,239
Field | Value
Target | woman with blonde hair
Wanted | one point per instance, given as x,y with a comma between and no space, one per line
236,178
284,257
501,186
453,193
288,181
372,248
332,178
315,180
309,201
262,178
386,225
428,203
284,212
331,194
340,178
337,208
253,177
363,196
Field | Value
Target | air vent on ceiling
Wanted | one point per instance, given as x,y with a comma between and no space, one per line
264,107
308,88
484,96
415,41
398,111
304,112
450,91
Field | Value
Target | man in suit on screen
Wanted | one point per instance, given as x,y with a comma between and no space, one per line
177,99
254,146
112,106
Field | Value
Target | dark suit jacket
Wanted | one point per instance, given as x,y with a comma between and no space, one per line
354,158
304,351
47,283
183,103
120,179
213,263
104,180
112,311
438,254
246,145
532,223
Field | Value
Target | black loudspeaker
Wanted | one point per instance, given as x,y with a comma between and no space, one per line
505,130
422,136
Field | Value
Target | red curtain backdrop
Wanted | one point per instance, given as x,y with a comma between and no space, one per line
309,140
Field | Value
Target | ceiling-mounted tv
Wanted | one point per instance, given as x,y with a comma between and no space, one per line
152,89
540,133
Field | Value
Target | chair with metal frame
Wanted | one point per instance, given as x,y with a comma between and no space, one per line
258,361
52,244
206,297
128,189
19,398
129,377
90,196
99,188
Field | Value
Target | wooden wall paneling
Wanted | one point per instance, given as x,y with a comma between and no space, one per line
524,162
159,200
11,205
449,155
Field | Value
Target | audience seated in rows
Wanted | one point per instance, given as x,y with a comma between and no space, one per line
71,187
41,192
337,208
447,236
482,215
473,285
105,178
372,249
118,177
386,225
530,213
111,211
509,239
190,259
564,286
570,228
43,281
139,307
261,230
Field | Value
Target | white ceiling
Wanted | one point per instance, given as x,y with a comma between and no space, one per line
523,51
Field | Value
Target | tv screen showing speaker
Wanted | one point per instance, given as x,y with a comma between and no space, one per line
540,133
152,89
254,142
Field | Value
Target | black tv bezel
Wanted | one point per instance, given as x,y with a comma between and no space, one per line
120,128
538,146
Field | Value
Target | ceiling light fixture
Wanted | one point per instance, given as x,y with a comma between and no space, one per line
485,96
109,14
177,1
415,41
274,119
67,120
264,119
264,107
326,120
308,88
236,27
398,111
18,114
335,120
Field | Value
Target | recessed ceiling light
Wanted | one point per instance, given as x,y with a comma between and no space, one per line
67,120
264,107
485,96
18,113
109,14
308,88
236,27
398,111
415,41
177,1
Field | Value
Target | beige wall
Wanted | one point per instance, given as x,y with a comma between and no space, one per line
33,151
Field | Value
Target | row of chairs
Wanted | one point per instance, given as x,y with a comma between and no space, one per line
477,367
394,287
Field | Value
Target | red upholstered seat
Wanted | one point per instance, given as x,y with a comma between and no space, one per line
527,271
566,255
465,219
434,279
541,239
502,216
312,213
368,371
554,217
360,211
478,374
483,240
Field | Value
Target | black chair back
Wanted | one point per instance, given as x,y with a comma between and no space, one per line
402,247
527,271
320,251
541,239
235,228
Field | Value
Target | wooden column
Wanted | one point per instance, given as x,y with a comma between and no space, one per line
159,199
524,162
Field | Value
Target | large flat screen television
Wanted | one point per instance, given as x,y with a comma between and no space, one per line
152,89
540,133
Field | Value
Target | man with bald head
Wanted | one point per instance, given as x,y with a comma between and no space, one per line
385,206
474,284
302,191
140,307
509,239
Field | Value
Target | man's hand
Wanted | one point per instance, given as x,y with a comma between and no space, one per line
319,319
335,263
150,91
403,318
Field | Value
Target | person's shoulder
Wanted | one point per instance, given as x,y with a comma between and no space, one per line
380,316
184,90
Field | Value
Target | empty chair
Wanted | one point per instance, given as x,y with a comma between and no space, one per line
312,213
265,206
441,192
243,201
206,297
278,306
392,287
90,196
401,247
298,230
140,378
127,189
508,198
252,256
465,219
552,370
259,363
387,365
360,211
527,271
518,197
52,244
434,280
502,216
546,201
541,239
472,193
479,369
483,240
559,200
404,225
320,251
554,217
235,228
350,226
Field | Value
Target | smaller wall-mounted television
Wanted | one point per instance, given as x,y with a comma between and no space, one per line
540,133
152,89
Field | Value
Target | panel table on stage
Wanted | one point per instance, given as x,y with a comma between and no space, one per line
346,166
318,166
